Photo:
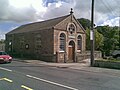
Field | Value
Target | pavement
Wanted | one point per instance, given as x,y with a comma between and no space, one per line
84,63
83,66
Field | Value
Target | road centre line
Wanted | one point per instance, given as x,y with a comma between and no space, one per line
57,84
6,69
25,87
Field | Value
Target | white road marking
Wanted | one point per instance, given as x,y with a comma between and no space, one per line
57,84
25,87
6,79
6,69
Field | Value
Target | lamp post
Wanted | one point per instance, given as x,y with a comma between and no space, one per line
92,34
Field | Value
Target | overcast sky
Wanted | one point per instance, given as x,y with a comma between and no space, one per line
14,13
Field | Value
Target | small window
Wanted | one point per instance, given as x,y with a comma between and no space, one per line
62,42
79,42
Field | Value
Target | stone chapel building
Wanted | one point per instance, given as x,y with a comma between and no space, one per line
54,40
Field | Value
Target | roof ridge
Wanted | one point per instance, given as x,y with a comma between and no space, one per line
47,20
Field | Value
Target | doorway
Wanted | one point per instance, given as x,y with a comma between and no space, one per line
71,51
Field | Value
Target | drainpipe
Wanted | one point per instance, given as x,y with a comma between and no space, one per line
65,57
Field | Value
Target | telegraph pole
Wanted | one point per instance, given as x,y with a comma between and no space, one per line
119,31
92,34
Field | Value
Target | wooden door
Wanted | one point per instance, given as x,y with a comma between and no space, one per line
70,52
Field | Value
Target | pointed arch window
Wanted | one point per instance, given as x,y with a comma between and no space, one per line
79,42
62,42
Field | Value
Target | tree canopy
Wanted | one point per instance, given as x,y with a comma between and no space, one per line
97,37
85,23
110,38
106,37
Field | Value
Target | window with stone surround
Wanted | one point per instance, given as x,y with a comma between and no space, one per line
79,42
62,42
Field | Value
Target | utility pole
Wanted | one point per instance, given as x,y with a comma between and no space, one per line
92,34
119,31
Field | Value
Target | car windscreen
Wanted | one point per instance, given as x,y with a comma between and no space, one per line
3,53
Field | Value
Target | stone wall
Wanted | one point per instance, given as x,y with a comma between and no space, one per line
24,44
86,55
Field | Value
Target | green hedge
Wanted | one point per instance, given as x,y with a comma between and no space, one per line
115,64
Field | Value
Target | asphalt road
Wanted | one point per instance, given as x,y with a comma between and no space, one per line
30,76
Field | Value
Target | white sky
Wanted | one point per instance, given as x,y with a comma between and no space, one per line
25,11
34,10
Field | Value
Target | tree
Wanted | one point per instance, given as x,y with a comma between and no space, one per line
116,37
109,42
106,37
85,23
98,40
88,39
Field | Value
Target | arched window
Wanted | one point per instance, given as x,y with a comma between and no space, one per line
79,42
62,42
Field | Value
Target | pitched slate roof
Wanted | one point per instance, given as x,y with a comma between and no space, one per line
38,25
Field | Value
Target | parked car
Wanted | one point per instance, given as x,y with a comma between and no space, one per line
116,54
4,57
